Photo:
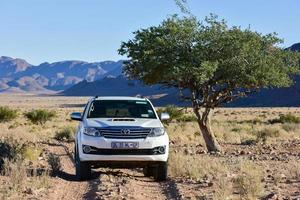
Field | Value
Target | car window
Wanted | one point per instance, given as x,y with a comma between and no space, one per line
121,109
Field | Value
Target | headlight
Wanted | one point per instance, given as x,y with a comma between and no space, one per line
157,132
92,132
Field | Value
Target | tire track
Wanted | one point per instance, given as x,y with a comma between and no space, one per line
65,184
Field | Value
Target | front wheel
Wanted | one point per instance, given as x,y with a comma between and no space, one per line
83,169
161,172
148,171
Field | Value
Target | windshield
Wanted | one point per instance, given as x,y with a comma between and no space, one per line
121,109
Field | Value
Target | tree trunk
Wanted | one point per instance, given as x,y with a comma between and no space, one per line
208,135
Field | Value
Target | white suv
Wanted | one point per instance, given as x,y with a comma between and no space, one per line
121,132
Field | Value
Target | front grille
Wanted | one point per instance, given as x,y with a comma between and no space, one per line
125,132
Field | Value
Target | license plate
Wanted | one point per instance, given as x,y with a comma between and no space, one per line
124,145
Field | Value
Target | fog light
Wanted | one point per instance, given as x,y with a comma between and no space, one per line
86,149
161,149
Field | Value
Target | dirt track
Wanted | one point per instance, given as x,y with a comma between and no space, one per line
105,183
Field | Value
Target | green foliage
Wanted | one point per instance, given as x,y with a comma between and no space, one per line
66,134
7,114
215,62
187,118
177,114
288,118
40,116
172,110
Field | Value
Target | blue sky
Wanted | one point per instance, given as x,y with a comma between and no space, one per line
92,30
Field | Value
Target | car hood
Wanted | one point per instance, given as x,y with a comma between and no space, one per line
108,122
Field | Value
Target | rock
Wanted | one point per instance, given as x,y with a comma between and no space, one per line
119,190
28,191
271,196
188,151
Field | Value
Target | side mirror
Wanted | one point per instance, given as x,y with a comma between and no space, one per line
164,116
76,116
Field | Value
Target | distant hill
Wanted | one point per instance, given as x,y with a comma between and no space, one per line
10,67
295,47
51,77
119,86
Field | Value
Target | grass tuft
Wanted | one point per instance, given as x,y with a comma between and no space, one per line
7,114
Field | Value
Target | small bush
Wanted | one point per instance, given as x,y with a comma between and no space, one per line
249,142
10,150
291,127
7,114
187,118
31,153
54,162
263,135
39,116
66,134
173,111
288,118
248,182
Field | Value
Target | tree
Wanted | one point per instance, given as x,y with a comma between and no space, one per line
214,62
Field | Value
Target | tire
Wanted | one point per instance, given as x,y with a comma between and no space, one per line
148,171
83,169
161,172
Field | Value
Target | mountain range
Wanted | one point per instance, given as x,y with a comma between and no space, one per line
16,75
79,78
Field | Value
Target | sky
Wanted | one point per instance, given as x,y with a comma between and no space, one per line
92,30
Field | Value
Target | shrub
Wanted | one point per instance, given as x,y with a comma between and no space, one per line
288,118
249,142
173,111
291,127
263,135
39,116
248,182
31,153
10,150
187,118
7,114
66,134
54,162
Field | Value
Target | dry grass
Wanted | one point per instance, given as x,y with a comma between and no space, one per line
196,167
292,170
232,126
19,182
248,182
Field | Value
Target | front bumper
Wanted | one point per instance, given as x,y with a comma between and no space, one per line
145,145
